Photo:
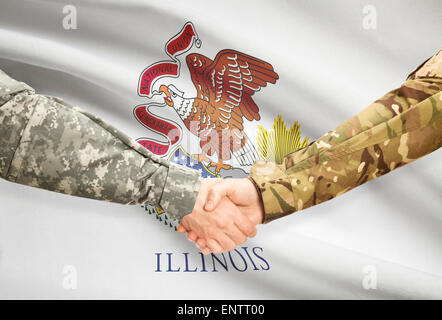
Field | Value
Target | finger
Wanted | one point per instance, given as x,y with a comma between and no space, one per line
185,222
253,234
225,242
201,242
244,224
236,235
216,193
238,219
213,246
181,228
206,250
192,236
203,246
202,193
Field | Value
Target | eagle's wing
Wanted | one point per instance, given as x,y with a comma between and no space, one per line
197,63
232,78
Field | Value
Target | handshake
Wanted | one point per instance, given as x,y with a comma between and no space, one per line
225,214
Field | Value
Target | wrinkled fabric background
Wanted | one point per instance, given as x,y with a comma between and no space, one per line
330,67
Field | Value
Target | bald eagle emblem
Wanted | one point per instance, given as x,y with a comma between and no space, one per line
225,87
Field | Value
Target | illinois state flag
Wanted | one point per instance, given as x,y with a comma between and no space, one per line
265,78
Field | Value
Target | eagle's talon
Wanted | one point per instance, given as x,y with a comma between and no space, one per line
220,165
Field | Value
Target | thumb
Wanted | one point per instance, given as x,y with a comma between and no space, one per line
215,194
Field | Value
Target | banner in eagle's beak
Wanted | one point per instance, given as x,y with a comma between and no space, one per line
165,127
177,45
180,43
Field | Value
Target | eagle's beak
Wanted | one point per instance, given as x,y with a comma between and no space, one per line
167,98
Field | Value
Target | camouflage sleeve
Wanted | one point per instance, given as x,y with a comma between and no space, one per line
396,129
50,144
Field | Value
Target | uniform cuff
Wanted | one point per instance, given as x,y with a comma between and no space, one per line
275,189
180,191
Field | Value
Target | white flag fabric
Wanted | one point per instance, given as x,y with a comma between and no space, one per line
330,60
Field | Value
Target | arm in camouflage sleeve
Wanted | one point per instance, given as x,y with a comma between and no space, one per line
50,144
397,129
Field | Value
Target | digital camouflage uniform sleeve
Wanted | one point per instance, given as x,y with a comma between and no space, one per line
50,144
396,129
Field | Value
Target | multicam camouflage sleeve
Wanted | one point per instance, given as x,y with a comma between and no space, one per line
50,144
397,129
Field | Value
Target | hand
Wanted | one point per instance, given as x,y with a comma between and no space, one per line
199,205
242,193
223,229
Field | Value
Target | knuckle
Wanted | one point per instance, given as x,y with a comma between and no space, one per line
212,191
253,234
221,223
251,229
213,248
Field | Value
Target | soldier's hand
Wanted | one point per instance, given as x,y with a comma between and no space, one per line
225,226
243,194
222,229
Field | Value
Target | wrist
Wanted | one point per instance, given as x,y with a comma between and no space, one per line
258,214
